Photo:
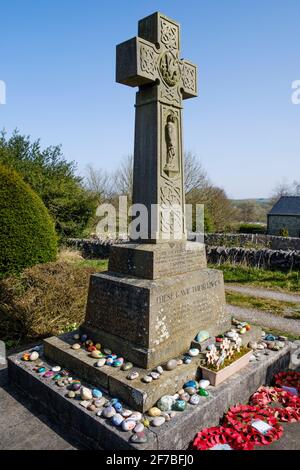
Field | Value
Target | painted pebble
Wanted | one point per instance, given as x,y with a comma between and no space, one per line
139,438
99,403
118,407
128,424
203,392
147,379
96,393
126,413
101,362
96,354
76,337
133,375
85,393
159,369
107,351
184,396
204,383
187,360
136,415
155,375
190,383
126,366
92,407
117,419
76,346
190,390
179,405
49,374
56,369
194,352
202,336
108,412
154,411
165,403
84,403
34,356
194,400
158,421
139,427
171,364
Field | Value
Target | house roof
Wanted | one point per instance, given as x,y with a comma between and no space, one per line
286,205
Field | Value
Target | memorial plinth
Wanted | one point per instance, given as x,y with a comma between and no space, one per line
149,321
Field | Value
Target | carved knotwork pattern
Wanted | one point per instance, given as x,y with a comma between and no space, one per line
148,60
169,35
170,201
189,77
171,94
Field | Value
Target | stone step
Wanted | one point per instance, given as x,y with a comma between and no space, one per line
141,396
98,433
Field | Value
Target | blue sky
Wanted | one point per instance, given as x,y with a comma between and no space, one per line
58,62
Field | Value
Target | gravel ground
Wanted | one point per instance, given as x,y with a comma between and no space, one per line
265,319
263,293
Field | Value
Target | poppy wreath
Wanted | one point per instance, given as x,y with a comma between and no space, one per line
290,409
209,437
240,418
288,379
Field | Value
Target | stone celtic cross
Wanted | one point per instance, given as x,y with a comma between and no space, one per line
151,62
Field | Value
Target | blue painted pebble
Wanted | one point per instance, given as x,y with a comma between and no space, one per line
191,384
96,393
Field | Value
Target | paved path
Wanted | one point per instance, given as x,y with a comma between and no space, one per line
263,293
21,428
265,319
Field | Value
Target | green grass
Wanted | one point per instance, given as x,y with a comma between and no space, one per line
277,280
276,307
97,264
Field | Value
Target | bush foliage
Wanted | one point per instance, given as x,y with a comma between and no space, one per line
252,228
43,301
27,234
53,178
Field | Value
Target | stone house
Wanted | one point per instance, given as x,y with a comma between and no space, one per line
285,215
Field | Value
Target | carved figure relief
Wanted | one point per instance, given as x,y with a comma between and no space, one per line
171,142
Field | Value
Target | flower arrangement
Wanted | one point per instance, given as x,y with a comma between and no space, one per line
228,352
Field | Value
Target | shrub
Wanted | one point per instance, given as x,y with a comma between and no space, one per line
53,178
283,232
44,300
252,228
27,234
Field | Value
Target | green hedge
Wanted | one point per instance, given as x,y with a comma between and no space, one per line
27,234
252,228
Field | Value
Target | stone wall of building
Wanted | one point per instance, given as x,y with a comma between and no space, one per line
278,222
249,240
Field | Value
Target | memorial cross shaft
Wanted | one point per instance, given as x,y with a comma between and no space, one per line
151,62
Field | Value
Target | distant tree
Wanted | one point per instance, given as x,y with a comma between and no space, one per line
98,183
122,178
286,189
195,177
53,178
